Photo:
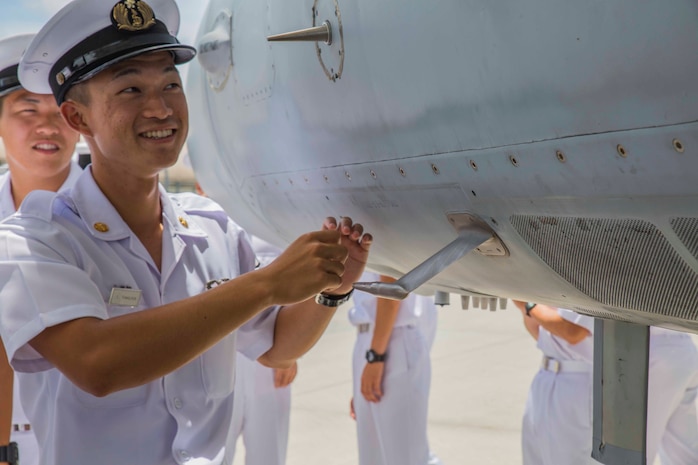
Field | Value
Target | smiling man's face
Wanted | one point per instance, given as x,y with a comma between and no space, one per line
37,140
135,115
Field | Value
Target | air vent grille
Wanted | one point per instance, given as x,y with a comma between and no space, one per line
687,230
621,263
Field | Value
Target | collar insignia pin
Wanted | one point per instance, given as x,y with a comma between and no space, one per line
101,227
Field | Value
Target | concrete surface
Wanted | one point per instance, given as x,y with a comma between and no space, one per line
482,362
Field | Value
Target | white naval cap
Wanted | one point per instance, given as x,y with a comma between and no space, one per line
87,36
11,50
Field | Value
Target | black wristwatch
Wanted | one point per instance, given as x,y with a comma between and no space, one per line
10,453
529,306
372,356
329,300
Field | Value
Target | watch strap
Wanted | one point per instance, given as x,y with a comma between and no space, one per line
372,356
529,306
329,300
10,453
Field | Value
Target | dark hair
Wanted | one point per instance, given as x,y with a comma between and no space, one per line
78,93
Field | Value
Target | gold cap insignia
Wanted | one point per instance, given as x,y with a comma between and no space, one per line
184,222
101,227
60,79
133,15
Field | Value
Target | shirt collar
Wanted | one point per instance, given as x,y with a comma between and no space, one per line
179,221
7,203
104,222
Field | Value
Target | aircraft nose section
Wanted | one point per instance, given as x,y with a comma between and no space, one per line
215,49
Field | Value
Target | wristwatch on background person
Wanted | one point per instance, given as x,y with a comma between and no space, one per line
529,306
10,453
372,356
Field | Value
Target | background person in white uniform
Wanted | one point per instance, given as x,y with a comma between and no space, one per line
392,374
137,298
557,419
38,145
262,403
672,424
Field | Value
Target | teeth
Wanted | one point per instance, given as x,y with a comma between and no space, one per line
158,134
46,146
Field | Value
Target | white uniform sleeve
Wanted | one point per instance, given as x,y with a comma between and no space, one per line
39,287
255,337
578,319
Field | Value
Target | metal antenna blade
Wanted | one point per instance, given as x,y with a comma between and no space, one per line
321,33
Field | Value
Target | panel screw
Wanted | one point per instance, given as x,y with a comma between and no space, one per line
621,151
678,146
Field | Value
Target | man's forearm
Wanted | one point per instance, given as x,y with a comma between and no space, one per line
298,328
386,314
6,388
103,356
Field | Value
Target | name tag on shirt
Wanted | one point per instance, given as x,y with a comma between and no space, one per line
125,297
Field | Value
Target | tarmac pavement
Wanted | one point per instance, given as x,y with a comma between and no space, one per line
482,366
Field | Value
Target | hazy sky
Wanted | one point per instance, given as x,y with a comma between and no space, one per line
27,16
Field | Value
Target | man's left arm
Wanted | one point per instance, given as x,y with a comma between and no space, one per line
298,327
6,388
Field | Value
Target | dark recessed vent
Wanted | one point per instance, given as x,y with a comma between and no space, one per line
603,313
621,263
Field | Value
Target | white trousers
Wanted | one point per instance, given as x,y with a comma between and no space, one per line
672,426
557,420
26,440
28,447
261,414
394,430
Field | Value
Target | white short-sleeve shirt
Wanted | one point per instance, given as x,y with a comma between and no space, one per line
559,349
7,208
60,258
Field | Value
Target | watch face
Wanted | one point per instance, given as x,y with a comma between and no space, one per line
370,356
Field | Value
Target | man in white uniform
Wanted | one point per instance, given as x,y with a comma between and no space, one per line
557,424
262,403
392,374
38,145
557,420
123,306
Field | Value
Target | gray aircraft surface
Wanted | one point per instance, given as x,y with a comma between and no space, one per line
542,150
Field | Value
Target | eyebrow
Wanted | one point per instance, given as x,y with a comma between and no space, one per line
29,99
